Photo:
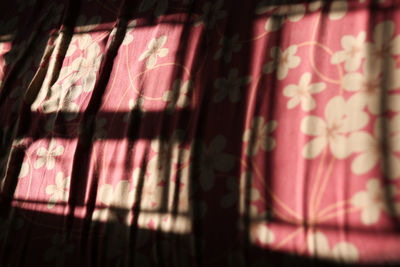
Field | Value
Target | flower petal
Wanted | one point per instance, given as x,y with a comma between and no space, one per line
264,235
364,162
394,167
313,125
318,245
39,163
345,252
361,141
313,148
383,32
339,147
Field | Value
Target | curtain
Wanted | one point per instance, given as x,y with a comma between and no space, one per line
199,133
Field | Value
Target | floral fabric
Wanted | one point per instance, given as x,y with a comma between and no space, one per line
199,133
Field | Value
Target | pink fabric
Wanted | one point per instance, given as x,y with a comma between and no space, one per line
199,133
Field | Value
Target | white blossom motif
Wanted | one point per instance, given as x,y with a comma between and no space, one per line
384,46
135,105
179,95
128,38
261,234
230,86
338,9
59,190
213,159
168,151
278,15
302,92
282,61
47,156
172,160
83,28
84,68
24,170
315,5
376,199
228,47
369,88
118,201
159,6
318,246
374,148
354,51
154,49
211,14
59,250
152,190
341,117
62,97
261,131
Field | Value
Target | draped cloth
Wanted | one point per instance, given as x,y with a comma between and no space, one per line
199,133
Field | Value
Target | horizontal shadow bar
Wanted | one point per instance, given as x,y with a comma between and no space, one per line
276,222
116,125
97,237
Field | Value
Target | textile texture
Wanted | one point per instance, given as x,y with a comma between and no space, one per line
199,133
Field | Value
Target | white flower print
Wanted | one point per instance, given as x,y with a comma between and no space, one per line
341,117
282,61
318,246
135,105
262,234
372,149
128,38
212,158
228,47
181,187
171,158
355,50
47,156
62,97
59,190
314,6
280,14
230,86
374,200
83,28
169,152
302,93
211,14
155,49
118,201
24,170
369,90
338,10
261,131
85,66
178,96
384,47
